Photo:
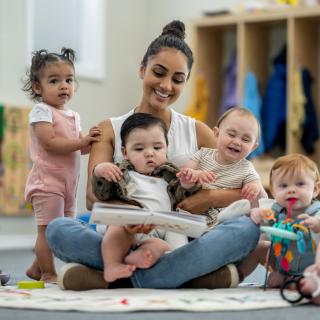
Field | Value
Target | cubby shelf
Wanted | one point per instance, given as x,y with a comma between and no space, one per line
257,38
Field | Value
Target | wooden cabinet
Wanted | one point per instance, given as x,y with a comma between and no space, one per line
257,38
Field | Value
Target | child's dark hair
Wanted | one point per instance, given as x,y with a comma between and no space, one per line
141,120
172,36
39,60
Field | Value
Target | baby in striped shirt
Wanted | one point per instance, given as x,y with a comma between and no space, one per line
237,132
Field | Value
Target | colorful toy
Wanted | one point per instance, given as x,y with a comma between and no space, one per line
31,285
287,288
281,234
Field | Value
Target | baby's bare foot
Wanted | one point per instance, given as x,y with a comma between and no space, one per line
141,258
49,278
117,271
34,272
309,285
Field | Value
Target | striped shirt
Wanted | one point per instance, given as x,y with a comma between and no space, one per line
231,176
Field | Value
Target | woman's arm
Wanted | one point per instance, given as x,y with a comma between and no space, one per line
205,199
101,151
205,136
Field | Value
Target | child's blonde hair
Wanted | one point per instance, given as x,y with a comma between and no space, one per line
294,163
242,112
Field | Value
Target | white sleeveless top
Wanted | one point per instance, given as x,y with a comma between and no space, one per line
182,137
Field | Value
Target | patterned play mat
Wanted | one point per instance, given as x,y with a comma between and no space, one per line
125,300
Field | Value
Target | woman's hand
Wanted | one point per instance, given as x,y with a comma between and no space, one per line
197,203
139,228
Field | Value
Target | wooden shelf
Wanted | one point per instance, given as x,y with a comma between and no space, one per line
256,38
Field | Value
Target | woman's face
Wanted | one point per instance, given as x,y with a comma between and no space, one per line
164,78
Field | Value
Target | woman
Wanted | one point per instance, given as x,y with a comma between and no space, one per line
164,71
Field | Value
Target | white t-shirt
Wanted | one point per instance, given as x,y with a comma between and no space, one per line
156,198
41,112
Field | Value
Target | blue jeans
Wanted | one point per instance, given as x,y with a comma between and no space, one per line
73,241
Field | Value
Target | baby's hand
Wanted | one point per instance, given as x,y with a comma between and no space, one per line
256,215
192,176
206,177
139,228
251,191
95,131
86,141
89,139
109,171
313,223
188,175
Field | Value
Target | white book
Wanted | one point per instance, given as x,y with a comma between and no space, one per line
192,225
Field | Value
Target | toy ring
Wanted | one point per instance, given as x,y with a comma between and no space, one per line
301,227
298,296
279,233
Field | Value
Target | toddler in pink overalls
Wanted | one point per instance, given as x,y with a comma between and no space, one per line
56,143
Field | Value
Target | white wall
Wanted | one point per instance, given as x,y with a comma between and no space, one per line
130,26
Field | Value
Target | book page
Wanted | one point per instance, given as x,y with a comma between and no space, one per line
182,222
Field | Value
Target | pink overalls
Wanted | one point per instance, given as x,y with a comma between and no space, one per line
52,183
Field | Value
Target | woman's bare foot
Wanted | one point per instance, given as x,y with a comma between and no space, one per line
34,271
275,280
49,278
117,271
142,258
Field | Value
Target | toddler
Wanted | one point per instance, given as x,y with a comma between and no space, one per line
56,143
294,184
237,132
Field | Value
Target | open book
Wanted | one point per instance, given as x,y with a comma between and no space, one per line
192,225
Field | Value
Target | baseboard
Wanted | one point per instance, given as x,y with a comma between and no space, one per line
17,241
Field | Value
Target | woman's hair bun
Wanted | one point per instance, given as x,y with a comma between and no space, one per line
175,28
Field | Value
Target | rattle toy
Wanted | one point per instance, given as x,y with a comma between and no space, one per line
281,233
